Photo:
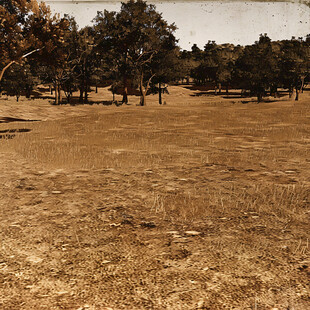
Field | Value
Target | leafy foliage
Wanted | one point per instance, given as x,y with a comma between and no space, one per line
135,38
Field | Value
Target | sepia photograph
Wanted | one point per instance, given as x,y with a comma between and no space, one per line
154,155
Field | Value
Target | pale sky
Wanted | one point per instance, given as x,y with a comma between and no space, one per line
200,21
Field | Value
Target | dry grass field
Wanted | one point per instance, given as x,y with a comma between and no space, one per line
202,203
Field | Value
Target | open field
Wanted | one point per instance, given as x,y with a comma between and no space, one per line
202,203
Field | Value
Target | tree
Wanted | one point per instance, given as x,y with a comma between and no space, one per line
254,69
133,37
56,55
294,64
28,28
20,80
15,37
167,67
87,61
187,65
214,64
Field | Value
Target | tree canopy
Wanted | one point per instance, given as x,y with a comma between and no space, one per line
136,37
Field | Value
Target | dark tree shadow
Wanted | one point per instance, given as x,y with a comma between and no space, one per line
11,133
203,88
76,101
13,119
204,93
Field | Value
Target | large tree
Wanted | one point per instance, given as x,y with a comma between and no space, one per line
294,64
166,67
19,80
87,61
133,37
14,32
255,69
28,28
214,64
56,55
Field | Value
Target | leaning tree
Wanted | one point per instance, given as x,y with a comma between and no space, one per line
28,28
15,34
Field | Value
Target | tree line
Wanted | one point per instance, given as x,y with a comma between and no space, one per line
134,49
262,67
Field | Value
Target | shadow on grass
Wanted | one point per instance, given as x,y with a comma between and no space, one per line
203,88
11,133
266,100
76,101
204,93
13,119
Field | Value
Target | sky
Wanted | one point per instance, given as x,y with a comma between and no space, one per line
200,21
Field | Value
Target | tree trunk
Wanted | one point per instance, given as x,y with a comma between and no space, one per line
56,94
290,92
68,95
215,90
142,99
220,88
260,93
28,92
259,97
59,93
11,63
5,68
159,93
125,90
86,83
96,89
297,93
142,93
226,89
302,84
81,92
143,90
86,94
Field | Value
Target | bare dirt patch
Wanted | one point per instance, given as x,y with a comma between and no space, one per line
198,206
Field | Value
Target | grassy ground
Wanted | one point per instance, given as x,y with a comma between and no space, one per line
199,204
